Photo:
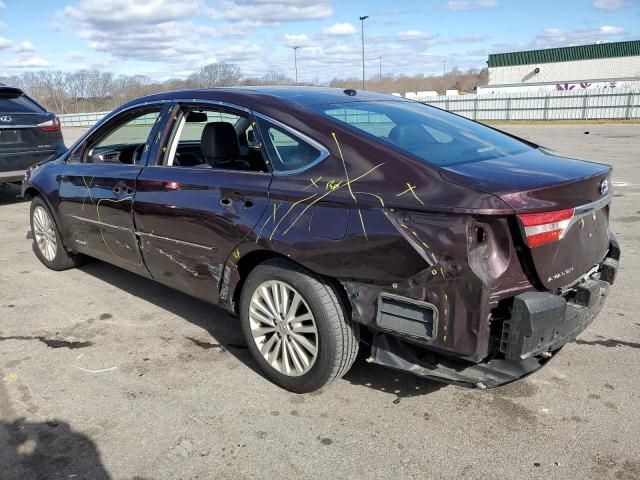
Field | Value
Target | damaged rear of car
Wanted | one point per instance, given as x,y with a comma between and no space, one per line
516,254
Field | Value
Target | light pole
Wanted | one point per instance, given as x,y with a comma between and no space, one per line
444,80
362,19
295,60
380,67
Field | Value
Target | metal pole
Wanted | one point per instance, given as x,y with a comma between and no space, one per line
295,61
444,80
362,19
380,65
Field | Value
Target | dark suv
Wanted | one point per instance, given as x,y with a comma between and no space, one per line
28,134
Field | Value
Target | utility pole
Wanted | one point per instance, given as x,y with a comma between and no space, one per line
444,80
362,19
380,66
295,60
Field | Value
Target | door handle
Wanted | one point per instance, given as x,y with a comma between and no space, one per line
228,202
122,188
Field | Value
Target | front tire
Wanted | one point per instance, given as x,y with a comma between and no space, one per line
296,326
47,242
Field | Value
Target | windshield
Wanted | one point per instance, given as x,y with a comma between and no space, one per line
433,135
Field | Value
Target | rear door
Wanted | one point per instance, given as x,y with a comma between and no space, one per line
28,133
98,187
191,215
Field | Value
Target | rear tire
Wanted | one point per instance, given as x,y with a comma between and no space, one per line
305,339
47,242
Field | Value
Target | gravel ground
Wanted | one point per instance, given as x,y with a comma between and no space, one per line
152,384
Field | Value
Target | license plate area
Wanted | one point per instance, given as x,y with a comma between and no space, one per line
9,136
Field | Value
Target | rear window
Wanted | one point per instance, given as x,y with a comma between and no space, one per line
435,136
10,103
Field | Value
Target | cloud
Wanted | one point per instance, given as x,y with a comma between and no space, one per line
5,43
131,12
30,61
25,47
553,37
464,5
270,12
340,29
609,5
74,56
149,31
411,34
2,5
297,40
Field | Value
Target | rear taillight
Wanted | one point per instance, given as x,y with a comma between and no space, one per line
52,125
545,227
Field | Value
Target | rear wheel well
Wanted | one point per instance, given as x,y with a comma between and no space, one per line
30,192
252,259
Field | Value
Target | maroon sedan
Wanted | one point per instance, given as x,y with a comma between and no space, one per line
330,220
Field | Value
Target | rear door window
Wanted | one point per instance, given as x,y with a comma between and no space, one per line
287,149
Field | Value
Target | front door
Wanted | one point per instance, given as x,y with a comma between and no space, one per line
203,195
98,187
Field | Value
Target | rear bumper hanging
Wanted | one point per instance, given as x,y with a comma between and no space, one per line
540,324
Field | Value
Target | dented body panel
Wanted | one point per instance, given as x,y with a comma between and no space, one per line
379,222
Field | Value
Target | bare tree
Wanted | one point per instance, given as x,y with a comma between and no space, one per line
93,90
216,75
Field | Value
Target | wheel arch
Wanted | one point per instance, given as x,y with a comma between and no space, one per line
252,259
30,192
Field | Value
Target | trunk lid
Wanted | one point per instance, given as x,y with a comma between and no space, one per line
20,132
19,120
538,181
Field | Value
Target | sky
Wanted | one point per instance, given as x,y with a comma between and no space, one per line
172,38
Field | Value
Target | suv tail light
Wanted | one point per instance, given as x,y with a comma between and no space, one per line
545,227
52,125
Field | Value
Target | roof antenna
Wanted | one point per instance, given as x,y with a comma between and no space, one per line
351,92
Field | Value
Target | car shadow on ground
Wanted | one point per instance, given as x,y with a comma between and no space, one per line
10,193
47,449
37,450
225,331
377,377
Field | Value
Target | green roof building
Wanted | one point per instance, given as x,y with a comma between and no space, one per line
596,66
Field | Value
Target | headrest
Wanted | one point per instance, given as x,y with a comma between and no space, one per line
219,140
410,135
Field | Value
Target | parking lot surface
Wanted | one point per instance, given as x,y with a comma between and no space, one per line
104,374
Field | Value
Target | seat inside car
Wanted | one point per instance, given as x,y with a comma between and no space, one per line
411,136
220,147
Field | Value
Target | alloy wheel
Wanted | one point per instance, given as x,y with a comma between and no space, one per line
283,328
44,233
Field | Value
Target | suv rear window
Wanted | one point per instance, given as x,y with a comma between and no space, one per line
433,135
12,103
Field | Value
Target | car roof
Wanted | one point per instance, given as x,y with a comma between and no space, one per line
306,96
300,96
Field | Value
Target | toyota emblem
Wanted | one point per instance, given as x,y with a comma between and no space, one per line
5,119
604,187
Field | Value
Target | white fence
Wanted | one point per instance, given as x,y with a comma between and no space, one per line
587,105
80,119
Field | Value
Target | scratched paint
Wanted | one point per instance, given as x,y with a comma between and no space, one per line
226,278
